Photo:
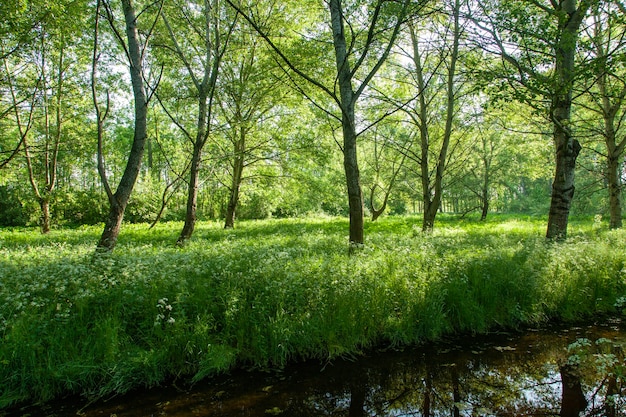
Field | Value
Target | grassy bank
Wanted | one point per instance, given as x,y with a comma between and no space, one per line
275,291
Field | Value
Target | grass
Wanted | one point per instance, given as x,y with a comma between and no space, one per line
271,292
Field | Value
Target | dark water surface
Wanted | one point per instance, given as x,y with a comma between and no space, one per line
505,374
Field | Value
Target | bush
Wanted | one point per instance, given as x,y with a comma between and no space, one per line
80,207
12,211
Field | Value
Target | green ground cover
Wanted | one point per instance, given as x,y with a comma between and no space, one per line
270,292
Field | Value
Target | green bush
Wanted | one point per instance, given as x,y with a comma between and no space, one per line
11,209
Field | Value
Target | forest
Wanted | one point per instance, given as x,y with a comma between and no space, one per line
189,187
167,110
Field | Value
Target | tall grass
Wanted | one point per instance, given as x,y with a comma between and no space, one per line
271,292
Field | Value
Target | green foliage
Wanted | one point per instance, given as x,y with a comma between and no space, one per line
274,291
80,207
11,209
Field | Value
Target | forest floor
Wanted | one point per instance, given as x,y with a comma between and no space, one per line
272,292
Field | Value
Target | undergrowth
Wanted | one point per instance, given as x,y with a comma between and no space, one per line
276,291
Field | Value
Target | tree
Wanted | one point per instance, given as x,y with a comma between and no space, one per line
42,72
250,98
434,57
134,51
358,53
200,52
537,41
605,89
386,162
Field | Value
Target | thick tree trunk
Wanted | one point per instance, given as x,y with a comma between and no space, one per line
430,213
112,226
231,209
353,182
566,147
562,188
44,204
119,200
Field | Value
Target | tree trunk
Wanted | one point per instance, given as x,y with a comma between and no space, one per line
44,204
432,190
229,222
484,198
562,187
485,206
112,226
119,200
566,147
353,182
377,212
614,153
350,162
615,192
192,193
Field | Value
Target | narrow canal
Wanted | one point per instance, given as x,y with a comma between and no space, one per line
542,372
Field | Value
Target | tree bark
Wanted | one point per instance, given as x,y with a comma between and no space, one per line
192,191
44,204
348,98
566,147
615,192
119,200
614,150
233,200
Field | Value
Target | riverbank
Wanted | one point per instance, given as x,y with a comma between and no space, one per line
273,292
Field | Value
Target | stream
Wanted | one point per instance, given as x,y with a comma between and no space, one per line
504,374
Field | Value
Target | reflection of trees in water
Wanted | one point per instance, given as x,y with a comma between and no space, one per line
500,382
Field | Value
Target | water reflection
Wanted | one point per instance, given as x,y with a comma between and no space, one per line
501,375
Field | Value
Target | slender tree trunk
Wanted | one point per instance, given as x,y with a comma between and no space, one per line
484,202
119,200
213,49
432,192
194,168
566,147
615,192
484,198
350,161
231,209
614,150
192,192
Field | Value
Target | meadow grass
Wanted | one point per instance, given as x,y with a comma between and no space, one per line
276,291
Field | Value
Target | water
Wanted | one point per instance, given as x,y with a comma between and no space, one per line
503,374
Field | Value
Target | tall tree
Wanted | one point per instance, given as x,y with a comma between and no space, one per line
41,73
434,59
250,97
605,89
134,50
537,41
199,41
359,53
